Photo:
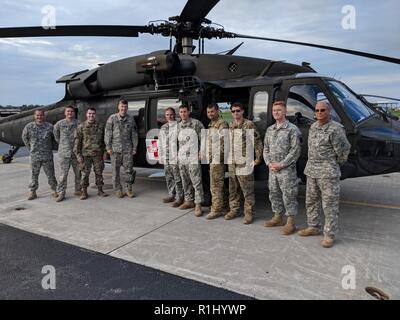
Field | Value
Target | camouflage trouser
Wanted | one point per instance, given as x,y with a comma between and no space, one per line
191,182
48,167
86,166
217,176
65,164
283,189
119,160
174,182
242,184
325,193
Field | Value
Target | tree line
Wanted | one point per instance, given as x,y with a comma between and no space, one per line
24,107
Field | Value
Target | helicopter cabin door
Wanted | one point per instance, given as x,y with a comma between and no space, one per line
154,120
137,109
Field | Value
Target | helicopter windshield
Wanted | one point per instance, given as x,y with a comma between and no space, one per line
352,105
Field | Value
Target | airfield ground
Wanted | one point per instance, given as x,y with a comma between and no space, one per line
250,260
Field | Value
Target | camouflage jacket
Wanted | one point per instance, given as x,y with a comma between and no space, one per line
215,143
168,142
327,149
64,133
39,140
238,141
89,139
282,144
187,137
121,134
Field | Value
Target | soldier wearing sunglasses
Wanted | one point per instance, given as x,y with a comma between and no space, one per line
328,148
241,180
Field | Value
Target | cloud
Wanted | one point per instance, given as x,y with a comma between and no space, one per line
42,60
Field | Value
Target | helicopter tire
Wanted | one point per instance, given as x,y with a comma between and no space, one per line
6,159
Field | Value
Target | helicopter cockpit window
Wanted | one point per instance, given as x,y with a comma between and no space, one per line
260,110
352,105
164,104
303,98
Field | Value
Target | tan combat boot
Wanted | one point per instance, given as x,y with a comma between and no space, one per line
77,193
168,199
101,193
197,210
130,194
55,194
120,194
290,226
310,231
248,218
177,203
230,215
276,221
60,197
328,242
213,214
84,194
187,205
32,195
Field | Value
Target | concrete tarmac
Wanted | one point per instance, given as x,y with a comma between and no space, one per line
248,259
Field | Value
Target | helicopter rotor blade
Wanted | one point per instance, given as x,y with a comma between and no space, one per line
197,10
76,30
343,50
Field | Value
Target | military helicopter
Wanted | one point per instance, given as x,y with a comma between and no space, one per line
154,81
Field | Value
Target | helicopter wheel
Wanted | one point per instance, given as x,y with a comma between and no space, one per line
6,159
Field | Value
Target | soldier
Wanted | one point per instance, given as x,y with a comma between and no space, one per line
241,175
121,141
64,133
89,150
189,133
38,138
281,151
168,157
327,149
217,130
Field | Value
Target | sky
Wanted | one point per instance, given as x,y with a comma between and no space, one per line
29,67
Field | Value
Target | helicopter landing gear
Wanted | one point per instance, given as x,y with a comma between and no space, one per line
7,157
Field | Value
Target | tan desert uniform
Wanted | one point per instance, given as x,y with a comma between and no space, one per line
216,132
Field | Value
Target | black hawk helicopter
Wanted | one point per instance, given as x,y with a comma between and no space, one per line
155,81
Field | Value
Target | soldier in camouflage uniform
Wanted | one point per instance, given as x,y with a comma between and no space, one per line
241,173
38,138
328,148
168,155
189,135
281,151
218,129
89,150
64,133
121,140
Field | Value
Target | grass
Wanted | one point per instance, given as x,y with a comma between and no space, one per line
227,115
395,111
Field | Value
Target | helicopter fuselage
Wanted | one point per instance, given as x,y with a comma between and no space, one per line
161,79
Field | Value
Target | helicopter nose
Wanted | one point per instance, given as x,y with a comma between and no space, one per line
379,150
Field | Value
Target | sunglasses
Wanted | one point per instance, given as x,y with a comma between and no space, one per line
236,110
320,110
